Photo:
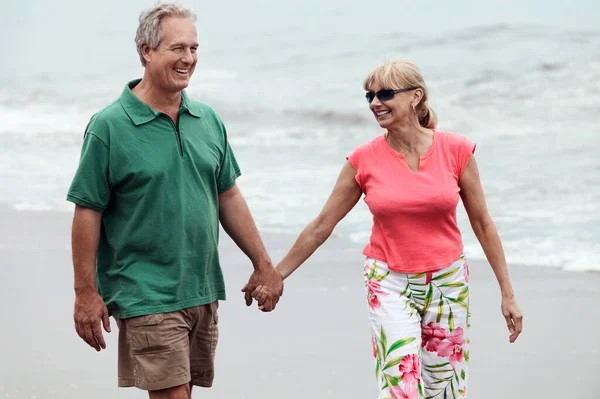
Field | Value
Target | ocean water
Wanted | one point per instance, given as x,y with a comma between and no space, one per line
520,78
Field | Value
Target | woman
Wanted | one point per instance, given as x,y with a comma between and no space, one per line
416,275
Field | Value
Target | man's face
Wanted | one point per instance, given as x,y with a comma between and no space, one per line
172,64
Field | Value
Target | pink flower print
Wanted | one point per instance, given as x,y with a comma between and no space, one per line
374,301
374,289
451,347
466,267
409,392
431,336
374,347
411,370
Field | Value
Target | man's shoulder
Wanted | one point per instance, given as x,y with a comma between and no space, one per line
203,108
103,118
210,116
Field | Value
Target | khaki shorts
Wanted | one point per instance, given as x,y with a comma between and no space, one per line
165,350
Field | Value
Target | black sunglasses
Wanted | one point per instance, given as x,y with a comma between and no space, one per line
386,94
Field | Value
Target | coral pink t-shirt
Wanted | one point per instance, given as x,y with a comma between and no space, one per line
414,213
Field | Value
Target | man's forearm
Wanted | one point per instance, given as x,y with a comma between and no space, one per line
85,235
238,223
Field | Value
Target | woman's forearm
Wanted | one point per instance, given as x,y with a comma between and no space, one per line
311,238
489,239
342,199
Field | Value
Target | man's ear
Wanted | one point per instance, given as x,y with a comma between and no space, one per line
146,53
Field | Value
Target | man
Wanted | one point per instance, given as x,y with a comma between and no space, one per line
156,177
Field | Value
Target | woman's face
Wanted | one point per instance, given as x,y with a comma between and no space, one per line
398,110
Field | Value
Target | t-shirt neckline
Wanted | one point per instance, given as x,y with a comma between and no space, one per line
401,155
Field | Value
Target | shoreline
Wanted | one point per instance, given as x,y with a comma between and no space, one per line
67,213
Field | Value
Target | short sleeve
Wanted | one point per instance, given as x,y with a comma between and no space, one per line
465,148
355,160
90,186
229,169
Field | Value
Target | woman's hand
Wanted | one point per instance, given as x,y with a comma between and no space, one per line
262,295
513,316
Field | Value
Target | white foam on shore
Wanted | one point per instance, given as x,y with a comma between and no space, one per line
526,251
579,259
49,118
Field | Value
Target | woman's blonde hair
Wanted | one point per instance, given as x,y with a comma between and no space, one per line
400,73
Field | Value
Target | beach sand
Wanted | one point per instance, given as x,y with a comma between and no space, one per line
315,345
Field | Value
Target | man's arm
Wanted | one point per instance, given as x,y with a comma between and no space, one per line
89,306
238,223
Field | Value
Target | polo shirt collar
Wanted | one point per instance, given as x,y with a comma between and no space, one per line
190,106
140,112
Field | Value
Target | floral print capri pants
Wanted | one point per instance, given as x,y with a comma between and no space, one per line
419,325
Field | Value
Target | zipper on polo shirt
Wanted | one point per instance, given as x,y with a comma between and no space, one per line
177,133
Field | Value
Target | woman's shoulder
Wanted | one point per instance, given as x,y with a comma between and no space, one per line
458,148
452,137
363,154
452,140
370,145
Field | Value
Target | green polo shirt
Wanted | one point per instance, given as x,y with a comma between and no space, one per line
157,186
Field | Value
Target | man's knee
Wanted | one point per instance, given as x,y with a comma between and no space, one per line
179,392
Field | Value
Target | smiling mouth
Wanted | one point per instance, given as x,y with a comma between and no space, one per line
181,71
382,113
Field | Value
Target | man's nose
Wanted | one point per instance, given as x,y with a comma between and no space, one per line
188,56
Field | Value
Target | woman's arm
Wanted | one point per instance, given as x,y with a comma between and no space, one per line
342,199
485,230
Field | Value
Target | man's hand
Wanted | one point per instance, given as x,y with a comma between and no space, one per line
271,279
90,310
237,222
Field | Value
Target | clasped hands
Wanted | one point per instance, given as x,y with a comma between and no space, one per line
265,285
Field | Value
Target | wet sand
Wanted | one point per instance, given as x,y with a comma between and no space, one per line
315,345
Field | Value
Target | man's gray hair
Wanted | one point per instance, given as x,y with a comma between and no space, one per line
149,32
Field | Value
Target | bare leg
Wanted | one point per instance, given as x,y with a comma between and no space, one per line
179,392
